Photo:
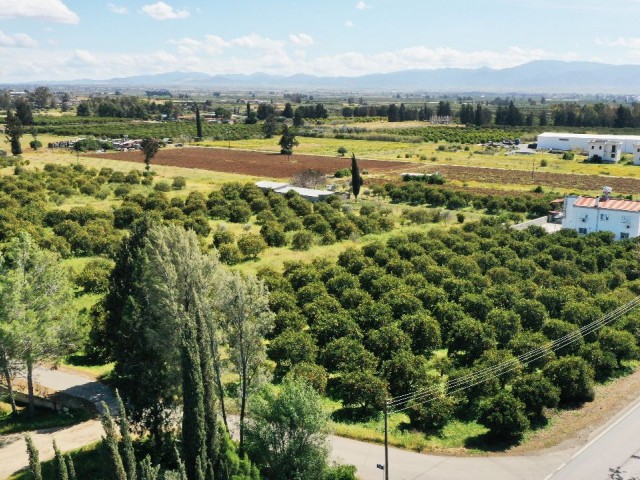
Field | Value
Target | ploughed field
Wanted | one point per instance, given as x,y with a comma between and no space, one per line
578,183
254,163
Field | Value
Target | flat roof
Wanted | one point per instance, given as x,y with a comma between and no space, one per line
271,185
590,136
306,192
611,204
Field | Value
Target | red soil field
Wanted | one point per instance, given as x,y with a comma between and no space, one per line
272,165
258,164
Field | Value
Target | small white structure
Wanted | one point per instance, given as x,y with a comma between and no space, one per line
267,185
602,214
580,141
310,194
636,154
608,151
306,193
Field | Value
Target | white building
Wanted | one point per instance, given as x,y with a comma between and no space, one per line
636,154
306,193
602,214
609,151
580,141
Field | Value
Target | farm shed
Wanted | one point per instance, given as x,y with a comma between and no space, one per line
307,193
580,141
267,185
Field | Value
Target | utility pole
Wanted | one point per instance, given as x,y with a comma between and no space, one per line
386,439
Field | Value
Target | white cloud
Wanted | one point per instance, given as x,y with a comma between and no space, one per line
85,56
349,24
18,40
48,10
633,43
255,41
164,11
362,6
212,45
301,40
216,55
117,9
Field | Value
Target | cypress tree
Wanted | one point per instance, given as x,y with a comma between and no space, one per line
356,179
198,123
113,461
147,470
129,456
182,471
71,467
34,458
209,392
59,464
193,416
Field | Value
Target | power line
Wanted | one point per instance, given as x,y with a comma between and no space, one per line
480,376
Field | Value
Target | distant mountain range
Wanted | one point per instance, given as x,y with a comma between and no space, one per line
543,76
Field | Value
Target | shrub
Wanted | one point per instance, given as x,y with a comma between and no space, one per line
273,234
122,191
229,253
117,177
302,240
94,277
162,187
133,177
343,172
222,236
239,211
251,245
314,375
460,217
567,156
179,183
504,416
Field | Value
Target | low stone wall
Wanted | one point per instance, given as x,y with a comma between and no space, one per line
57,402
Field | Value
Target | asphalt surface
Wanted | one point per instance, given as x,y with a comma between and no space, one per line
616,444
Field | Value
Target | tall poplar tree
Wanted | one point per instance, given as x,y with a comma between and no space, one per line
247,321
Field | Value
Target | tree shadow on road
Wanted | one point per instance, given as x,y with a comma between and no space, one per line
486,443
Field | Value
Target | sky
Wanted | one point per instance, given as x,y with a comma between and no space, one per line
96,39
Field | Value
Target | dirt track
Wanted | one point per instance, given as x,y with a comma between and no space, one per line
245,162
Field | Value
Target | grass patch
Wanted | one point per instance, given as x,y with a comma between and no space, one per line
86,460
83,364
43,419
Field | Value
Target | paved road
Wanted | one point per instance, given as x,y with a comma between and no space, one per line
13,452
617,445
405,465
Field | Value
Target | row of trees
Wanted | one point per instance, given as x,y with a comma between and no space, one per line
369,325
174,320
